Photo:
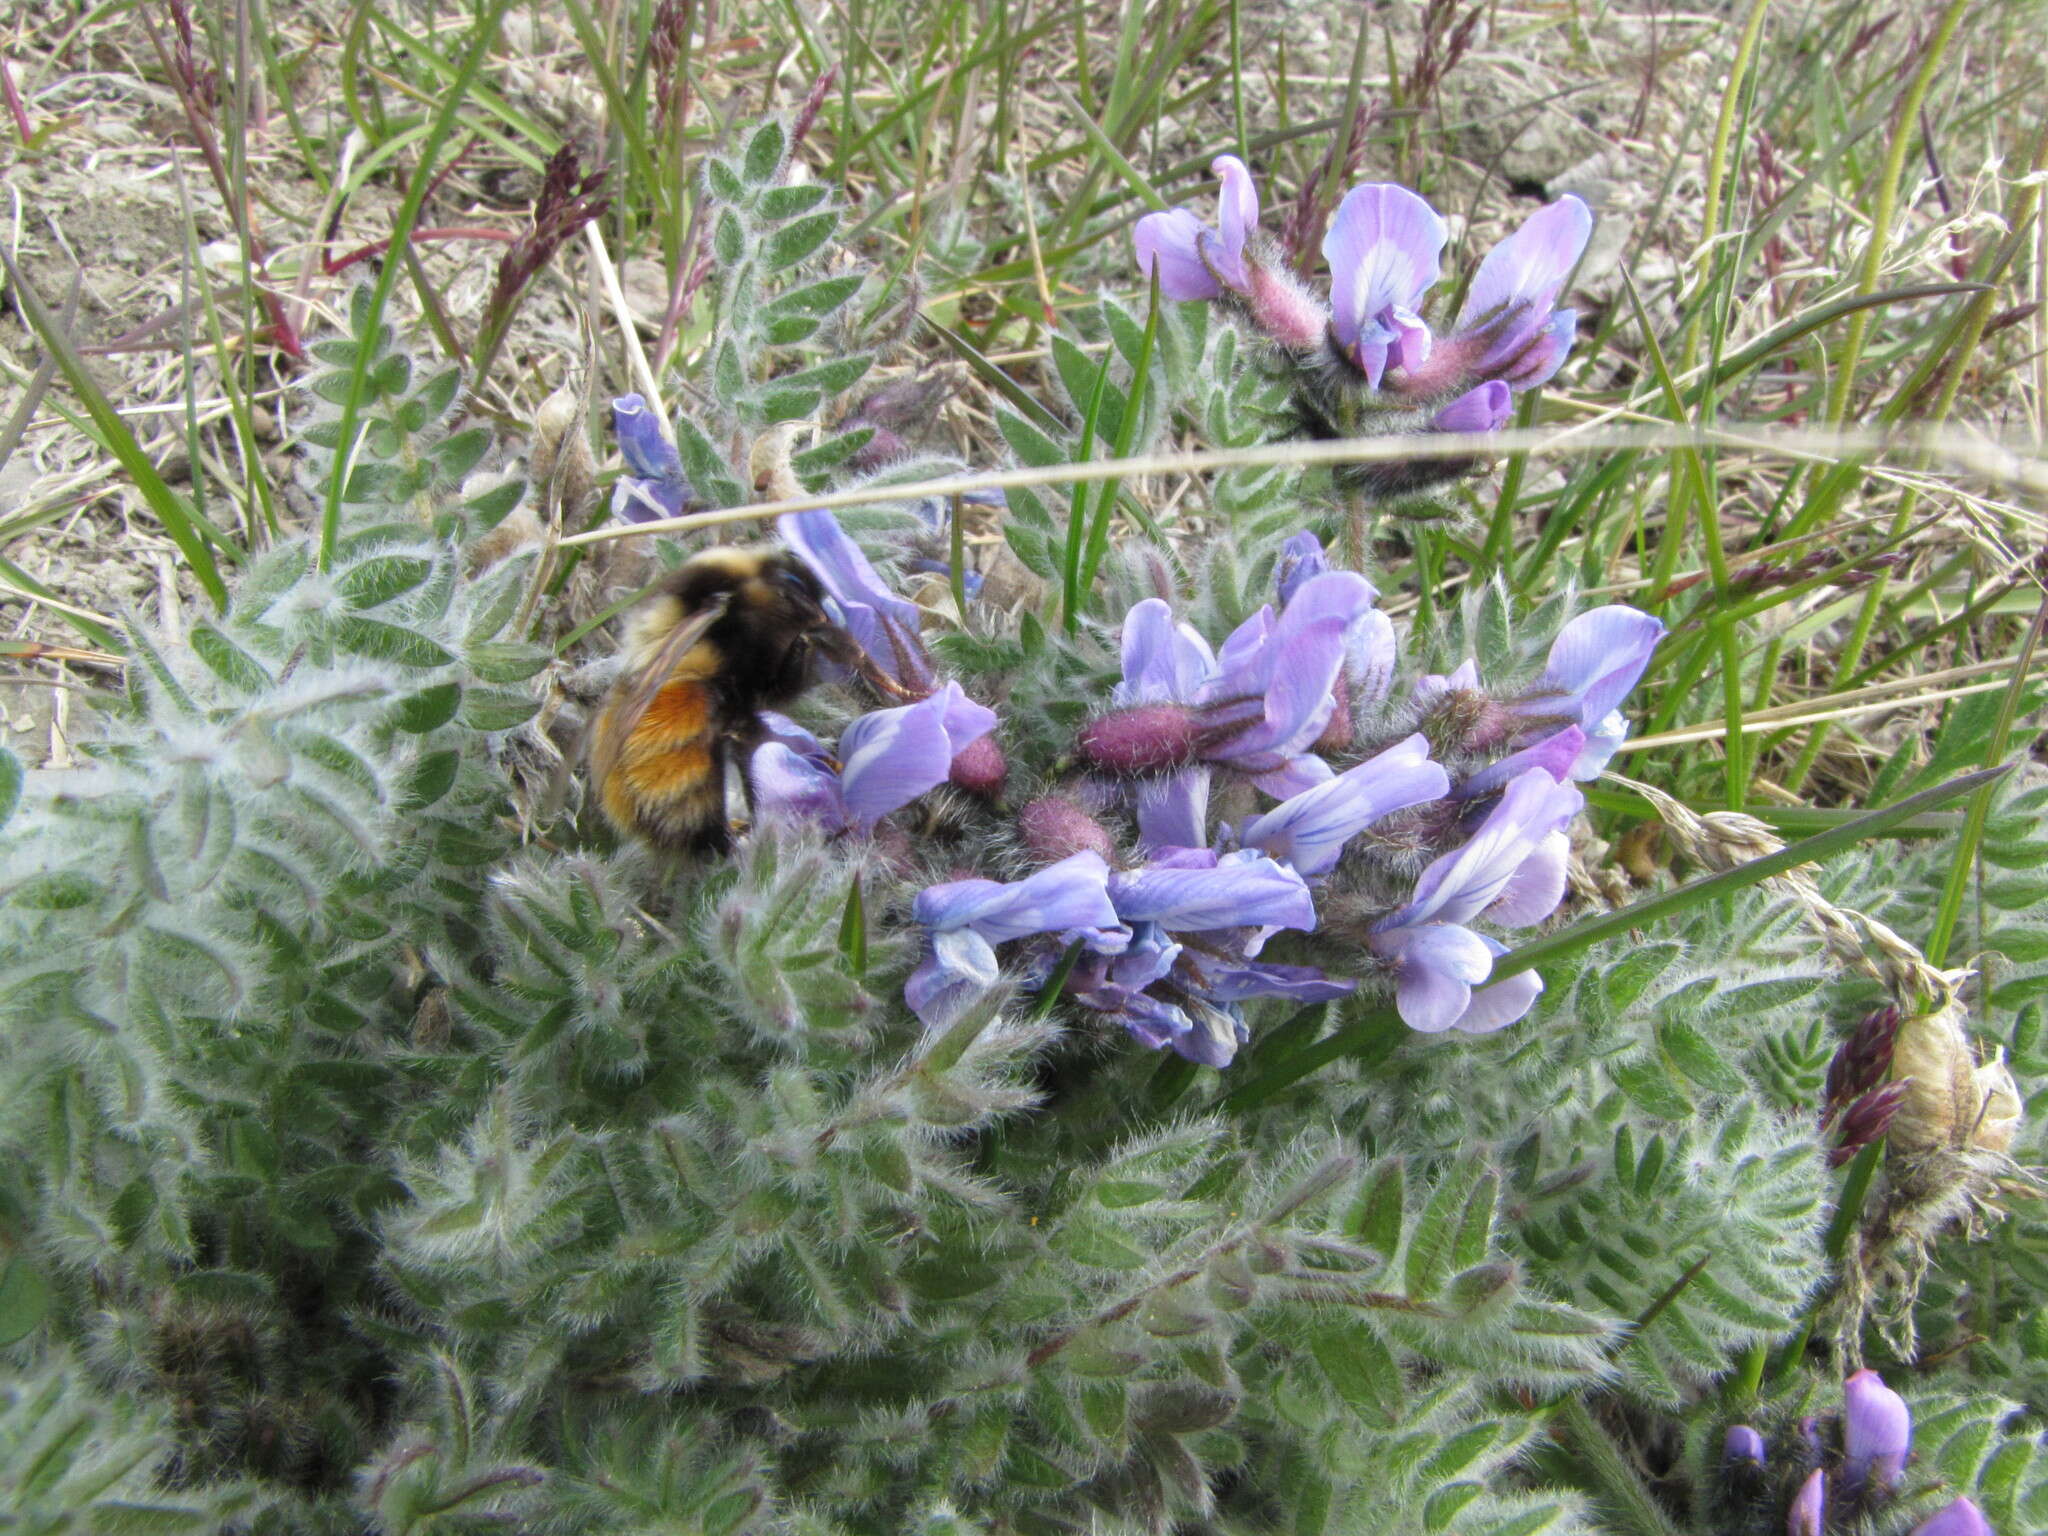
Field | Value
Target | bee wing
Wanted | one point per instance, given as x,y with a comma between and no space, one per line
608,733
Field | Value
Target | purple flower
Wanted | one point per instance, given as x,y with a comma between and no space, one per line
890,757
653,485
1187,996
1201,1016
1369,642
1309,831
1173,809
1960,1518
1257,706
1507,870
1194,261
1877,1431
1809,1513
1743,1444
1301,558
966,919
1383,249
1485,408
881,623
1195,891
1594,662
1508,318
1555,755
1164,659
1275,678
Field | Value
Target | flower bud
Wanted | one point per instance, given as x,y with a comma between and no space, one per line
1466,720
551,425
1342,730
979,768
1146,738
1877,1432
1864,1058
1864,1121
1742,1463
1951,1102
1743,1444
563,467
1283,308
1962,1518
1809,1513
1055,826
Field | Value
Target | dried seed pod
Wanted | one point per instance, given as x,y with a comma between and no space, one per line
1999,1107
1940,1108
551,425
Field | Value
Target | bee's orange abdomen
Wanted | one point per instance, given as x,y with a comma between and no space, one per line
681,709
669,782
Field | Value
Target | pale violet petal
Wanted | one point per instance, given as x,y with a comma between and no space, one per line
1483,409
790,787
1383,250
1434,974
1237,215
1171,241
891,756
1535,888
1529,267
1501,1004
1595,660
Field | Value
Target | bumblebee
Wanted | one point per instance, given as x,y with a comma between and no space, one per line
733,631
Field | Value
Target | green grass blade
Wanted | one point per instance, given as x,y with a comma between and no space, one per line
1078,500
1965,861
387,277
179,518
1126,437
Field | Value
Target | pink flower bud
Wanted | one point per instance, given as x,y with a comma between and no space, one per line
1055,826
1145,738
1283,308
1338,734
1808,1515
979,768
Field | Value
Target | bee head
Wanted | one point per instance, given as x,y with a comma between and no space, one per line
783,588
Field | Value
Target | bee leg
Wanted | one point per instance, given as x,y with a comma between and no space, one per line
738,753
837,645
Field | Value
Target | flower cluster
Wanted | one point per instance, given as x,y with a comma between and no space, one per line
1393,371
1262,778
1876,1441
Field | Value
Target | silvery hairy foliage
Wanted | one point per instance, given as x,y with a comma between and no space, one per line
387,1154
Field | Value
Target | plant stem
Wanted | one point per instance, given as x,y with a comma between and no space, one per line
1629,1503
1887,204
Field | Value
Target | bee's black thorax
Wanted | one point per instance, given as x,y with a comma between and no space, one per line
765,639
